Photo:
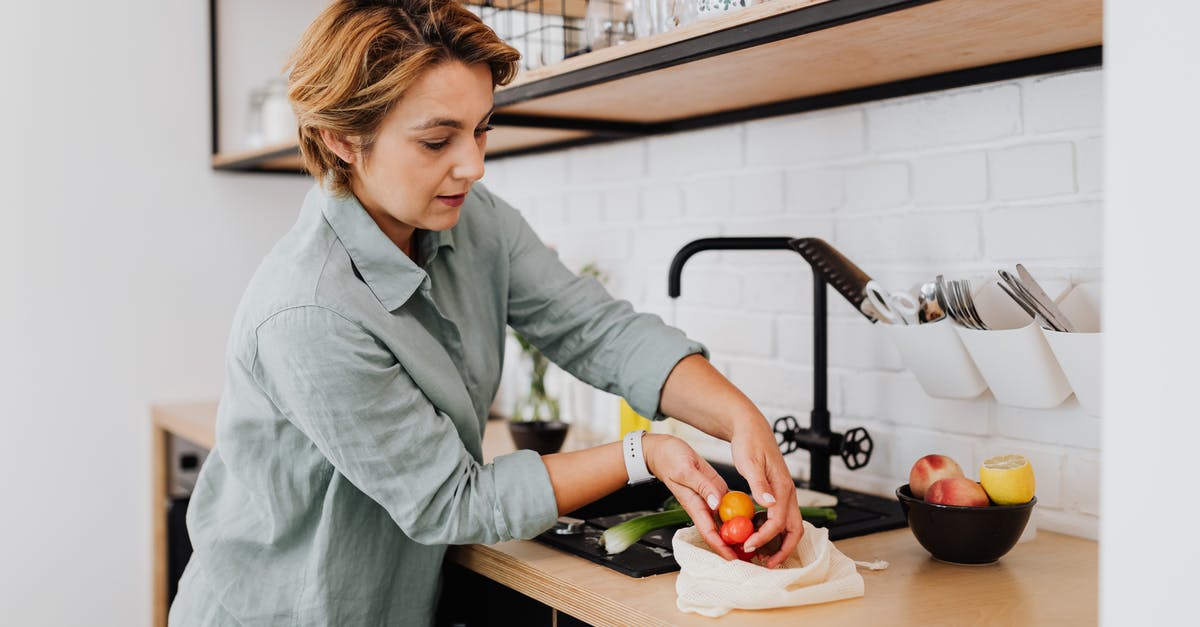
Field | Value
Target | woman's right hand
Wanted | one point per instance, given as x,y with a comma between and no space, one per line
692,480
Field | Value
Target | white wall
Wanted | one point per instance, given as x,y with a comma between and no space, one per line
1148,536
961,182
122,257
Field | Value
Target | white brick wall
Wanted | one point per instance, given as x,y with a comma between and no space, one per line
876,186
1065,101
1033,171
812,138
957,178
959,182
963,116
814,190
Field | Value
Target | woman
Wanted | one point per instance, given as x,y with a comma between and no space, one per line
368,346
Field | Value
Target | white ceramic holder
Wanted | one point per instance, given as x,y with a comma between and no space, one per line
935,354
1013,355
1078,353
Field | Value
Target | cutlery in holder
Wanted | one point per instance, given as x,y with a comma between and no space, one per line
1012,354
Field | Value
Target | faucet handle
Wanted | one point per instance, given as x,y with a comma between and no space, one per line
857,446
786,429
854,447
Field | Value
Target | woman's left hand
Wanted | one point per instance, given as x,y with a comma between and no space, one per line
757,458
692,481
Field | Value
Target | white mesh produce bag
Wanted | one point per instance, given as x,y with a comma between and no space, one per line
816,572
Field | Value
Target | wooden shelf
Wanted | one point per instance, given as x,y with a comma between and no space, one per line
195,422
275,158
779,57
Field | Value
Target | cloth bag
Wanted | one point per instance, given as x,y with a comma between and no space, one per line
816,572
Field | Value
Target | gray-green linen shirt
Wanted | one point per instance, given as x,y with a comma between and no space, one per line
348,452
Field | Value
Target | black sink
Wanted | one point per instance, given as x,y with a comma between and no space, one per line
858,514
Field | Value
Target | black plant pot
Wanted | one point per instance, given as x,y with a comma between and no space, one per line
545,437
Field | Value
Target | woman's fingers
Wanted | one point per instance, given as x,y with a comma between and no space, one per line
772,486
693,481
789,544
762,491
702,517
670,458
703,487
774,526
706,482
784,518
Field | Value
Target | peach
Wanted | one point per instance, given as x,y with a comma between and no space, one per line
929,469
957,491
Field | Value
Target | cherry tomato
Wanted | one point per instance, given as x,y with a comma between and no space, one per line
735,504
736,530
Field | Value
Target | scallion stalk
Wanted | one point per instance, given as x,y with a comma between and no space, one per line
828,514
620,537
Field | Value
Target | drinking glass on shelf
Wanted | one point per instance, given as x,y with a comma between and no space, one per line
254,128
278,119
651,17
608,23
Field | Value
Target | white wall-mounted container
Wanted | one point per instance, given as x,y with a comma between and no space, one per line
1013,355
936,355
1078,353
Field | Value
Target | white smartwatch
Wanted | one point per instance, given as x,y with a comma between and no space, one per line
635,462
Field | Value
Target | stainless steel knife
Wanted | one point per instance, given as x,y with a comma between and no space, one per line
1044,300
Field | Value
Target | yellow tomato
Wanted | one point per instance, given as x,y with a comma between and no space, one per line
735,504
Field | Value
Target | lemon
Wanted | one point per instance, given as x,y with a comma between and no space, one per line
1007,479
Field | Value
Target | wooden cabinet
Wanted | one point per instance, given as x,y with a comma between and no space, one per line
779,57
195,422
1050,580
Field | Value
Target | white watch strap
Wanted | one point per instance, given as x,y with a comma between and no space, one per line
635,462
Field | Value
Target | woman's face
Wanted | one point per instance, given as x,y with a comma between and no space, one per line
428,153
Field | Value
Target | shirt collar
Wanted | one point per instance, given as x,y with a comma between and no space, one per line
386,270
433,241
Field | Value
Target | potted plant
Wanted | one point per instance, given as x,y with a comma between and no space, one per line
535,422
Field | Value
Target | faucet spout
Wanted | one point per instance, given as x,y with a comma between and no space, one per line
718,243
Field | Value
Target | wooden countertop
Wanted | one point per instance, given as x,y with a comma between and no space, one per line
1051,580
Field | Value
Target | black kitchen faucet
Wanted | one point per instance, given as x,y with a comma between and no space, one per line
855,446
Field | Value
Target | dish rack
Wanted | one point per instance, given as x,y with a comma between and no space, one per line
546,32
543,31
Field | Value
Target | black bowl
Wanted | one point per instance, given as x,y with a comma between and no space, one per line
964,535
545,437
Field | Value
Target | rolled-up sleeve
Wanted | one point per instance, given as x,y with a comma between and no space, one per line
351,397
576,323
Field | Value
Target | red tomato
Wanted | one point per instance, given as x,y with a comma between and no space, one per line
736,530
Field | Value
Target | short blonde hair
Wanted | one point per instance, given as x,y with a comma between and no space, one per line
358,58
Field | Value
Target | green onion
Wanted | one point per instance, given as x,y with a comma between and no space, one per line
620,537
828,514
